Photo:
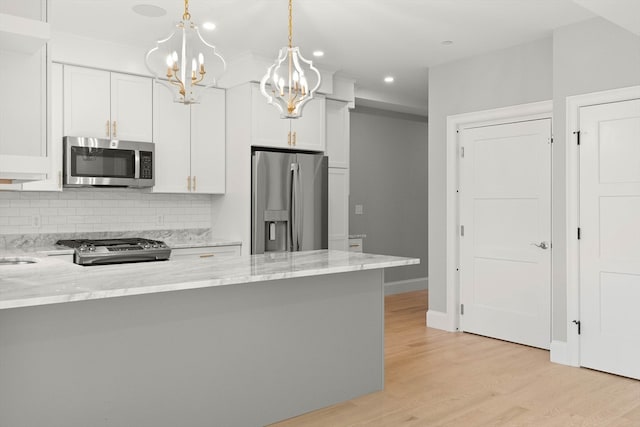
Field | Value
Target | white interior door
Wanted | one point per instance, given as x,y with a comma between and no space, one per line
505,211
610,237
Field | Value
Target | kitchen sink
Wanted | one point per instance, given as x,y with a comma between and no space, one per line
17,260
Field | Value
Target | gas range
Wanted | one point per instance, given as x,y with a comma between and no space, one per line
116,251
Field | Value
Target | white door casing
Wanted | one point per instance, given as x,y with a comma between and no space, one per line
610,237
505,209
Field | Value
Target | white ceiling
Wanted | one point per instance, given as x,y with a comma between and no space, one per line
625,13
363,39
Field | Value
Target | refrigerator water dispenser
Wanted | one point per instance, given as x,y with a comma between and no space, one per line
276,227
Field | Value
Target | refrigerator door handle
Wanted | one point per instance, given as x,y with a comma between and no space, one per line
296,220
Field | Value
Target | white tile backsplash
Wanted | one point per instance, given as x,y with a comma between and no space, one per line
104,209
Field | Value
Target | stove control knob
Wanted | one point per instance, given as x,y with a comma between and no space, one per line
147,246
155,245
82,247
92,248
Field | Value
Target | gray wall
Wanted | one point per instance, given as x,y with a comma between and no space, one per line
517,75
590,56
388,174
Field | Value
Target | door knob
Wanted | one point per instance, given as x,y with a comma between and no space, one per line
541,245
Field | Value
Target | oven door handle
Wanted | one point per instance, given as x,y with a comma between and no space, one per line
136,164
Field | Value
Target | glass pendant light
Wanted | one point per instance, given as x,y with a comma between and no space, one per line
286,85
184,62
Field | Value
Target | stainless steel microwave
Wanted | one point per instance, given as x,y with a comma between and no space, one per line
96,162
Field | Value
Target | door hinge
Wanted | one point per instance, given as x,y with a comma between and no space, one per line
577,133
462,230
462,152
461,309
579,233
577,322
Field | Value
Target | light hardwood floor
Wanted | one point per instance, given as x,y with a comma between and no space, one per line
436,378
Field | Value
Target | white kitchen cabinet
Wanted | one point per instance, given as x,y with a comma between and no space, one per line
206,252
190,143
103,104
337,132
54,177
338,208
355,244
304,133
23,26
23,105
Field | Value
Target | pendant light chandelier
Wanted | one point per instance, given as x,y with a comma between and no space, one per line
184,62
289,87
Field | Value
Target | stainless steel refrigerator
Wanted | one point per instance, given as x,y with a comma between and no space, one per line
288,201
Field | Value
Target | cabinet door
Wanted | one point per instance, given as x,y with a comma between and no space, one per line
131,107
23,116
54,178
308,132
87,102
267,128
337,133
208,143
338,208
172,136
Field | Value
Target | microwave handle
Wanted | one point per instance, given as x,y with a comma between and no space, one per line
136,165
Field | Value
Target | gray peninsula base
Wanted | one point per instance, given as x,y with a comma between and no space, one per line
241,355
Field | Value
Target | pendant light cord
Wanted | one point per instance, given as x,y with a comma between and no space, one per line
186,15
290,25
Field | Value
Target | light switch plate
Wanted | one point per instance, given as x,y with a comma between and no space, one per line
359,210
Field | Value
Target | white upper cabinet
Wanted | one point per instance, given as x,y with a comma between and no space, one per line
172,136
131,107
337,133
54,177
269,130
23,26
190,143
208,142
23,104
102,104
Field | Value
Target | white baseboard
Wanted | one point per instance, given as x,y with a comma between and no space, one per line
410,285
559,352
438,320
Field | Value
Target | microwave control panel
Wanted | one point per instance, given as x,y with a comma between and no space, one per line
146,165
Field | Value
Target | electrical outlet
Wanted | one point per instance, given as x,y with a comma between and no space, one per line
36,221
359,209
160,220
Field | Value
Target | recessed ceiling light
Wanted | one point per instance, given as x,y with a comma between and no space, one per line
149,10
389,79
209,26
447,42
318,53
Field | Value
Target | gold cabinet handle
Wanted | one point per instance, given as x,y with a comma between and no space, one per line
188,183
194,183
115,129
354,246
294,138
59,179
207,255
108,127
289,138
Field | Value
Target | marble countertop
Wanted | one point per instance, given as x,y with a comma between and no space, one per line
52,280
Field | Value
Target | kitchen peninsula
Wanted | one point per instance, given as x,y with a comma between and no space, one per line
236,341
